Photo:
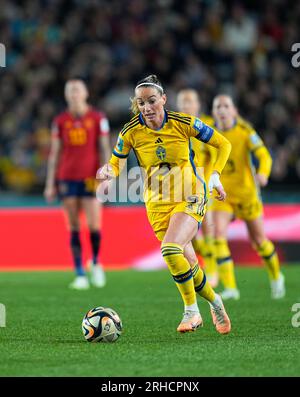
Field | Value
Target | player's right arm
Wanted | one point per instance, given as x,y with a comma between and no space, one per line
210,136
117,161
53,160
259,150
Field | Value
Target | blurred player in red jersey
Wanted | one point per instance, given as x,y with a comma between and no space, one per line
79,135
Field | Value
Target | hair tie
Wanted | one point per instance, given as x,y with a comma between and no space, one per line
155,85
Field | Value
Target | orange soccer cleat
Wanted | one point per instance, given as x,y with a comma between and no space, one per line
219,316
190,322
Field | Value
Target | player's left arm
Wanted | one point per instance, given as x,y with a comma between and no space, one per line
104,140
208,135
261,153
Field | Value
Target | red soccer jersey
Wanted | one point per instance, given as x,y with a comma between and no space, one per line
80,143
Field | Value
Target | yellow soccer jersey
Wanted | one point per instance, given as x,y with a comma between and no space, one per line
238,175
205,155
164,155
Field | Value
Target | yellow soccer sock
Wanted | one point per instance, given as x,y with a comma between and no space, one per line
180,270
202,288
225,264
198,245
269,256
209,256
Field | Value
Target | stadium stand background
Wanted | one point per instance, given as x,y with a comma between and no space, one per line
243,48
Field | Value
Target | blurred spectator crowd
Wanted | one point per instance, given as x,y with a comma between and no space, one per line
241,48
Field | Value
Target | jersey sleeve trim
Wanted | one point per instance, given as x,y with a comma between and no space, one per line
256,148
121,156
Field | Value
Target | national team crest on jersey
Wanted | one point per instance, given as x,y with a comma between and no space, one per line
161,152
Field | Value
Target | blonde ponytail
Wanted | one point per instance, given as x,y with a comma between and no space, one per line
134,107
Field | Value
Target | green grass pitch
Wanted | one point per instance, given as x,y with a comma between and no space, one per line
43,334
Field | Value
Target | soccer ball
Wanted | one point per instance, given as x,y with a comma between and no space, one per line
101,324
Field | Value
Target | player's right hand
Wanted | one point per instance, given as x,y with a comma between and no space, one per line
105,173
214,183
50,193
221,193
262,180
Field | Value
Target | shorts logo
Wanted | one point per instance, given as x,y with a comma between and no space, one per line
196,207
161,153
192,199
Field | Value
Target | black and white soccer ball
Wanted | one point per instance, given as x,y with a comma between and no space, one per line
101,324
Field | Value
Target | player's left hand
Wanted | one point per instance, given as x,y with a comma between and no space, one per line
262,180
214,183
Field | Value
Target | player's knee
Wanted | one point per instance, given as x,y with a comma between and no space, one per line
74,223
219,232
93,227
219,241
256,242
190,257
266,248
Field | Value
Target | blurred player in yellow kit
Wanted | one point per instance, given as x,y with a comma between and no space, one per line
242,185
160,139
188,101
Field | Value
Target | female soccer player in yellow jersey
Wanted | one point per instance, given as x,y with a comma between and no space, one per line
243,197
188,101
160,140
